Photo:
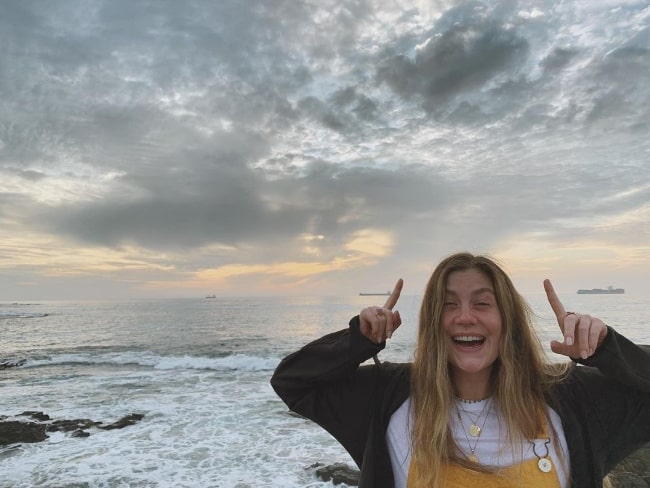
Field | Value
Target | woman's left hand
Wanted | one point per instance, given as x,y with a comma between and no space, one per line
582,333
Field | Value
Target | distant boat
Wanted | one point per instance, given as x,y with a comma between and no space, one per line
380,294
211,296
601,291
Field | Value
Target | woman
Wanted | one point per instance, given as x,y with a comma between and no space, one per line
479,404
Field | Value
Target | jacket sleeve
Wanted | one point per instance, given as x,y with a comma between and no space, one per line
324,382
621,359
614,395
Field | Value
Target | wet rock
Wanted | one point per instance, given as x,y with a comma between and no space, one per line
338,473
123,422
627,480
71,425
11,363
633,471
13,431
16,431
35,415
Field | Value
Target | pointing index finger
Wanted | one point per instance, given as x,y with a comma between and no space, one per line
394,296
554,300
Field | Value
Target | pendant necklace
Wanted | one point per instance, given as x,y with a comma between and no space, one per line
474,430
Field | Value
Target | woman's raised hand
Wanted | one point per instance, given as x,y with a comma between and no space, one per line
379,323
582,333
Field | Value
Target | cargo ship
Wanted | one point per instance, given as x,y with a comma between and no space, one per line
610,290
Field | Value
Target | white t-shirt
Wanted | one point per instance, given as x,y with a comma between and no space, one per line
489,447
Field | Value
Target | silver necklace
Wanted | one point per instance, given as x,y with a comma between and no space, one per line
477,430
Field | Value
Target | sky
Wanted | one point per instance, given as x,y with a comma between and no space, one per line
320,147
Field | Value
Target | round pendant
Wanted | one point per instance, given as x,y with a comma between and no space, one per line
474,430
544,465
472,457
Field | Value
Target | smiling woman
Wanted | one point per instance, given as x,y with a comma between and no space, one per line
480,404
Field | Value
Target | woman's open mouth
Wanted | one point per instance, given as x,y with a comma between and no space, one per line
469,341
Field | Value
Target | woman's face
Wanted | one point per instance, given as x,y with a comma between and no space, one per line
472,323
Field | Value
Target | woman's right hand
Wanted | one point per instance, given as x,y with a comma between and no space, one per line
583,334
378,323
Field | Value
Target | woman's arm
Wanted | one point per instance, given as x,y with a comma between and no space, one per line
611,403
324,382
622,360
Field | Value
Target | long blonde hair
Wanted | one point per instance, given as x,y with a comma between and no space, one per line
520,376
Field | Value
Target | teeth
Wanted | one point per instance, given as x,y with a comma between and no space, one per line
468,338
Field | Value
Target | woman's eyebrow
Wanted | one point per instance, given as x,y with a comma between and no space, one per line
485,289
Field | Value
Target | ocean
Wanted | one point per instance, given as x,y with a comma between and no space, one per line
198,370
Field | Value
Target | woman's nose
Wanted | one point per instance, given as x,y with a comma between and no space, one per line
465,315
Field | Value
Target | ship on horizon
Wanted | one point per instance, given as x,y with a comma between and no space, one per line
379,294
610,290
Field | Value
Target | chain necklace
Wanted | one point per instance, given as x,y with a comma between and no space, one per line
474,429
462,400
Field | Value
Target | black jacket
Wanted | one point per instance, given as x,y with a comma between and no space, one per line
604,404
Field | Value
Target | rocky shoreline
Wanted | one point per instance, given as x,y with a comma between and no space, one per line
632,472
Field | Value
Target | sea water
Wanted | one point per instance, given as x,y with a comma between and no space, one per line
198,370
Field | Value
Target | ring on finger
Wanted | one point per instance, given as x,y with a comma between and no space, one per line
571,313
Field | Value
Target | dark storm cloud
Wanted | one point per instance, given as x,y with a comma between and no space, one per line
557,59
459,57
240,207
104,79
476,64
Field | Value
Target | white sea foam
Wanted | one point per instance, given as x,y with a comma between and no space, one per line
197,431
232,362
12,314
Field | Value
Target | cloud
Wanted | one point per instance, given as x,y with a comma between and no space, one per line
462,59
231,136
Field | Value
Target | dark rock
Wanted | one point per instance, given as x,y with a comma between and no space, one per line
633,471
11,363
337,473
35,415
13,431
627,480
70,425
123,422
